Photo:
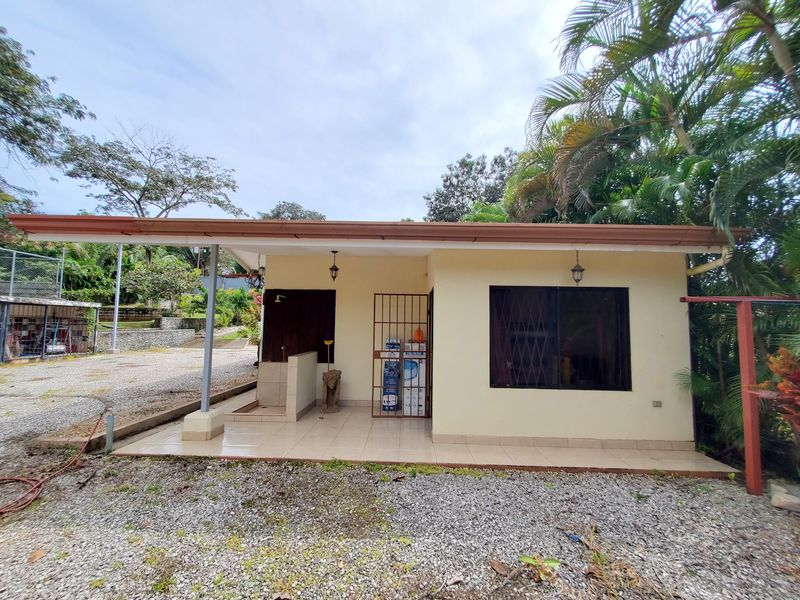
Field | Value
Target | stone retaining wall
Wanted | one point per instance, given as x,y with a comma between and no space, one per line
171,323
141,339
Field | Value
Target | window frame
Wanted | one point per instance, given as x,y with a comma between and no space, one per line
623,305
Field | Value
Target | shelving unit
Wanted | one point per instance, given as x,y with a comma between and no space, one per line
401,351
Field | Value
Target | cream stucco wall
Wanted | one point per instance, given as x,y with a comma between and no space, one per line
463,402
360,277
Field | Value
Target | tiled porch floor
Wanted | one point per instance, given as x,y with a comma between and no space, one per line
352,434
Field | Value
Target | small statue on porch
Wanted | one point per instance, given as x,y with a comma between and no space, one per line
331,381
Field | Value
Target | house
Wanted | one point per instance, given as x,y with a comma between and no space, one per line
490,330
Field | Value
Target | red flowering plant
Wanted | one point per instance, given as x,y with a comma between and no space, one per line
784,390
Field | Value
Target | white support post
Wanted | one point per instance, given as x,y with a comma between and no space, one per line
211,305
116,299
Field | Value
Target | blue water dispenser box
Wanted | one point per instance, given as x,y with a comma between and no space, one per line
391,376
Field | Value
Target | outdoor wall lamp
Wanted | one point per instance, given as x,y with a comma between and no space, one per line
334,269
577,270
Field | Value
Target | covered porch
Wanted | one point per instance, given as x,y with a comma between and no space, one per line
469,417
352,434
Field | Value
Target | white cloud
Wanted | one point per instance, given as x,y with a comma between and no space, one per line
351,108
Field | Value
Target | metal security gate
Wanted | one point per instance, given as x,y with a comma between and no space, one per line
40,331
401,351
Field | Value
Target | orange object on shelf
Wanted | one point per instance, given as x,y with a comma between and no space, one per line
419,335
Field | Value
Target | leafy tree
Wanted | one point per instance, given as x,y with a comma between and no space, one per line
482,212
10,236
686,114
468,181
147,175
291,211
31,127
165,278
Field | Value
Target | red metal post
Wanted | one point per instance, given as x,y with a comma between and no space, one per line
747,368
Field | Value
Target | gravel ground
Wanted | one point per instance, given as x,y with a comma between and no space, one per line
40,397
204,528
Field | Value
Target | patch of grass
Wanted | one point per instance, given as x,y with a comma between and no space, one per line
598,558
135,540
234,542
641,497
61,555
228,337
154,555
466,472
163,584
248,503
117,565
404,540
127,324
98,583
196,588
164,567
154,488
180,534
109,473
372,467
37,504
122,488
336,465
415,470
405,567
385,478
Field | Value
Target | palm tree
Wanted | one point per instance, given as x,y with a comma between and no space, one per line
674,81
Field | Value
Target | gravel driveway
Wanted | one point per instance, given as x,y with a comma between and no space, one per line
204,528
40,397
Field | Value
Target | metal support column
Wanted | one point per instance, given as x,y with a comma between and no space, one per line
13,268
747,369
96,327
4,308
44,333
61,270
116,299
211,306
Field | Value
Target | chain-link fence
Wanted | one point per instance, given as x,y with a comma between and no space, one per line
27,275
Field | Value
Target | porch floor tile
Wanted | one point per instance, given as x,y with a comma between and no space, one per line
352,434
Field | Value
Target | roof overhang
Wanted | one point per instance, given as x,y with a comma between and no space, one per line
47,301
248,239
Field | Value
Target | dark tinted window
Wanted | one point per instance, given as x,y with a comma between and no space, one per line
549,337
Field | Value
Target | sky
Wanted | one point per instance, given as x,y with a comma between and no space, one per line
351,108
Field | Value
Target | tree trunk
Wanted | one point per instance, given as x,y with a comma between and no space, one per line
780,50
